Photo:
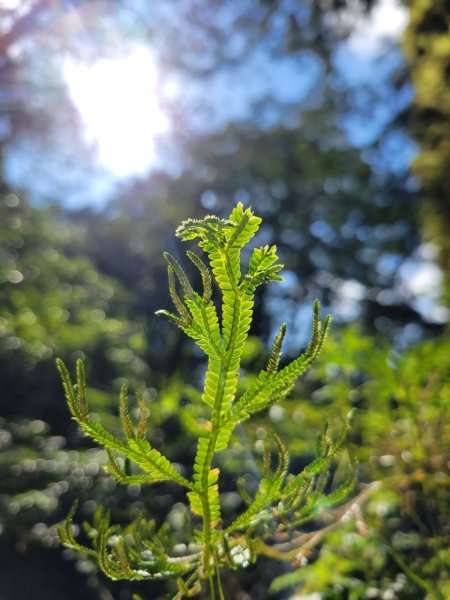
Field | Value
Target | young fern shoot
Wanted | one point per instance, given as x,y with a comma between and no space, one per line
282,501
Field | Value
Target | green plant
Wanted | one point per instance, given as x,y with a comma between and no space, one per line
397,546
282,501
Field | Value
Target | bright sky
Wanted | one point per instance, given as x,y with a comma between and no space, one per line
118,99
362,61
387,21
119,106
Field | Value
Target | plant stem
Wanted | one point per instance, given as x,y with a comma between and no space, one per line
222,377
212,590
425,585
219,584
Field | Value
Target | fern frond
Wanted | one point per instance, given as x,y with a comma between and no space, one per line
309,472
337,446
242,491
246,225
198,316
213,499
201,457
263,268
341,493
275,355
283,455
121,475
316,327
323,440
209,228
272,385
204,500
77,406
172,318
181,275
269,491
204,273
204,326
114,468
223,437
124,412
65,532
182,310
158,467
137,449
281,500
319,501
267,462
127,554
186,591
319,332
144,416
258,397
81,387
196,503
255,512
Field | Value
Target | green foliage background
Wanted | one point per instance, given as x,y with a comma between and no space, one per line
88,281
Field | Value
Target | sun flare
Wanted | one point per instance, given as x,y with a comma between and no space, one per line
119,106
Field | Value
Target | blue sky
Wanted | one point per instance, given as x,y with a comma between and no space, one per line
229,95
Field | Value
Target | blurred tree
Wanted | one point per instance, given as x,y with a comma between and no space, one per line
52,303
124,241
195,40
355,217
343,232
49,302
427,48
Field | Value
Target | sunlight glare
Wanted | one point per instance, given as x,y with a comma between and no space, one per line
386,21
118,103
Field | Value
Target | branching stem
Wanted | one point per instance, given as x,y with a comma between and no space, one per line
279,496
